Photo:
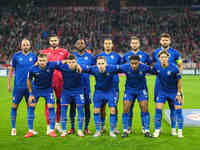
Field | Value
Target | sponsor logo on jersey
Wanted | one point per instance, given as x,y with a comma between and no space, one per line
20,59
169,73
140,72
86,57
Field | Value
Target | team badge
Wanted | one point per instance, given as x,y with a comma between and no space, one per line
169,73
140,56
61,53
107,73
48,70
20,59
158,71
86,57
112,57
140,72
31,59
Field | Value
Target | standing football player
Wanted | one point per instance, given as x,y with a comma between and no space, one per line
83,58
112,58
21,63
174,57
55,53
170,88
145,59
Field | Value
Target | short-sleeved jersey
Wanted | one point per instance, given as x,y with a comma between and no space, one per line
42,77
104,81
144,57
135,79
168,77
174,56
85,59
21,64
56,55
112,58
73,81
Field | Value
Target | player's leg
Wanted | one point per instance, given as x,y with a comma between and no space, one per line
16,99
130,118
65,101
116,96
126,108
50,100
31,117
87,109
58,91
97,101
112,105
142,97
26,94
79,100
180,119
103,117
145,116
172,117
160,101
72,115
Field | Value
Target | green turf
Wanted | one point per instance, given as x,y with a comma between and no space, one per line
136,141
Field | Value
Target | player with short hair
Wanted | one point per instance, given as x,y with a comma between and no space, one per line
145,59
39,84
174,57
112,58
21,62
55,53
136,87
103,74
170,88
83,58
73,91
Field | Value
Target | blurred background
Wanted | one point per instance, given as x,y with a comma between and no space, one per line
94,20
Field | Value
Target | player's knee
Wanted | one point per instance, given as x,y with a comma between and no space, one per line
32,105
126,109
50,105
14,105
178,107
97,110
112,110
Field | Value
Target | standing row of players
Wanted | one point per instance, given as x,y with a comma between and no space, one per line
75,86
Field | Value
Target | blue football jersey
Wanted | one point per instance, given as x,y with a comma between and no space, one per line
21,64
144,57
42,77
174,55
112,58
104,81
135,79
168,77
73,81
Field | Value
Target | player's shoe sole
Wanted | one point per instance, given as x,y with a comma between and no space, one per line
97,134
87,132
63,134
71,131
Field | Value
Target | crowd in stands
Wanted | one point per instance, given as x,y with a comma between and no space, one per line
94,24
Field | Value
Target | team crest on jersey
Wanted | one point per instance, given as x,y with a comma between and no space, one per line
86,57
20,59
169,73
107,73
140,56
158,71
140,72
112,57
48,70
31,59
61,53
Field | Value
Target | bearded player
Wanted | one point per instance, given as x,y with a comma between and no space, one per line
55,53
